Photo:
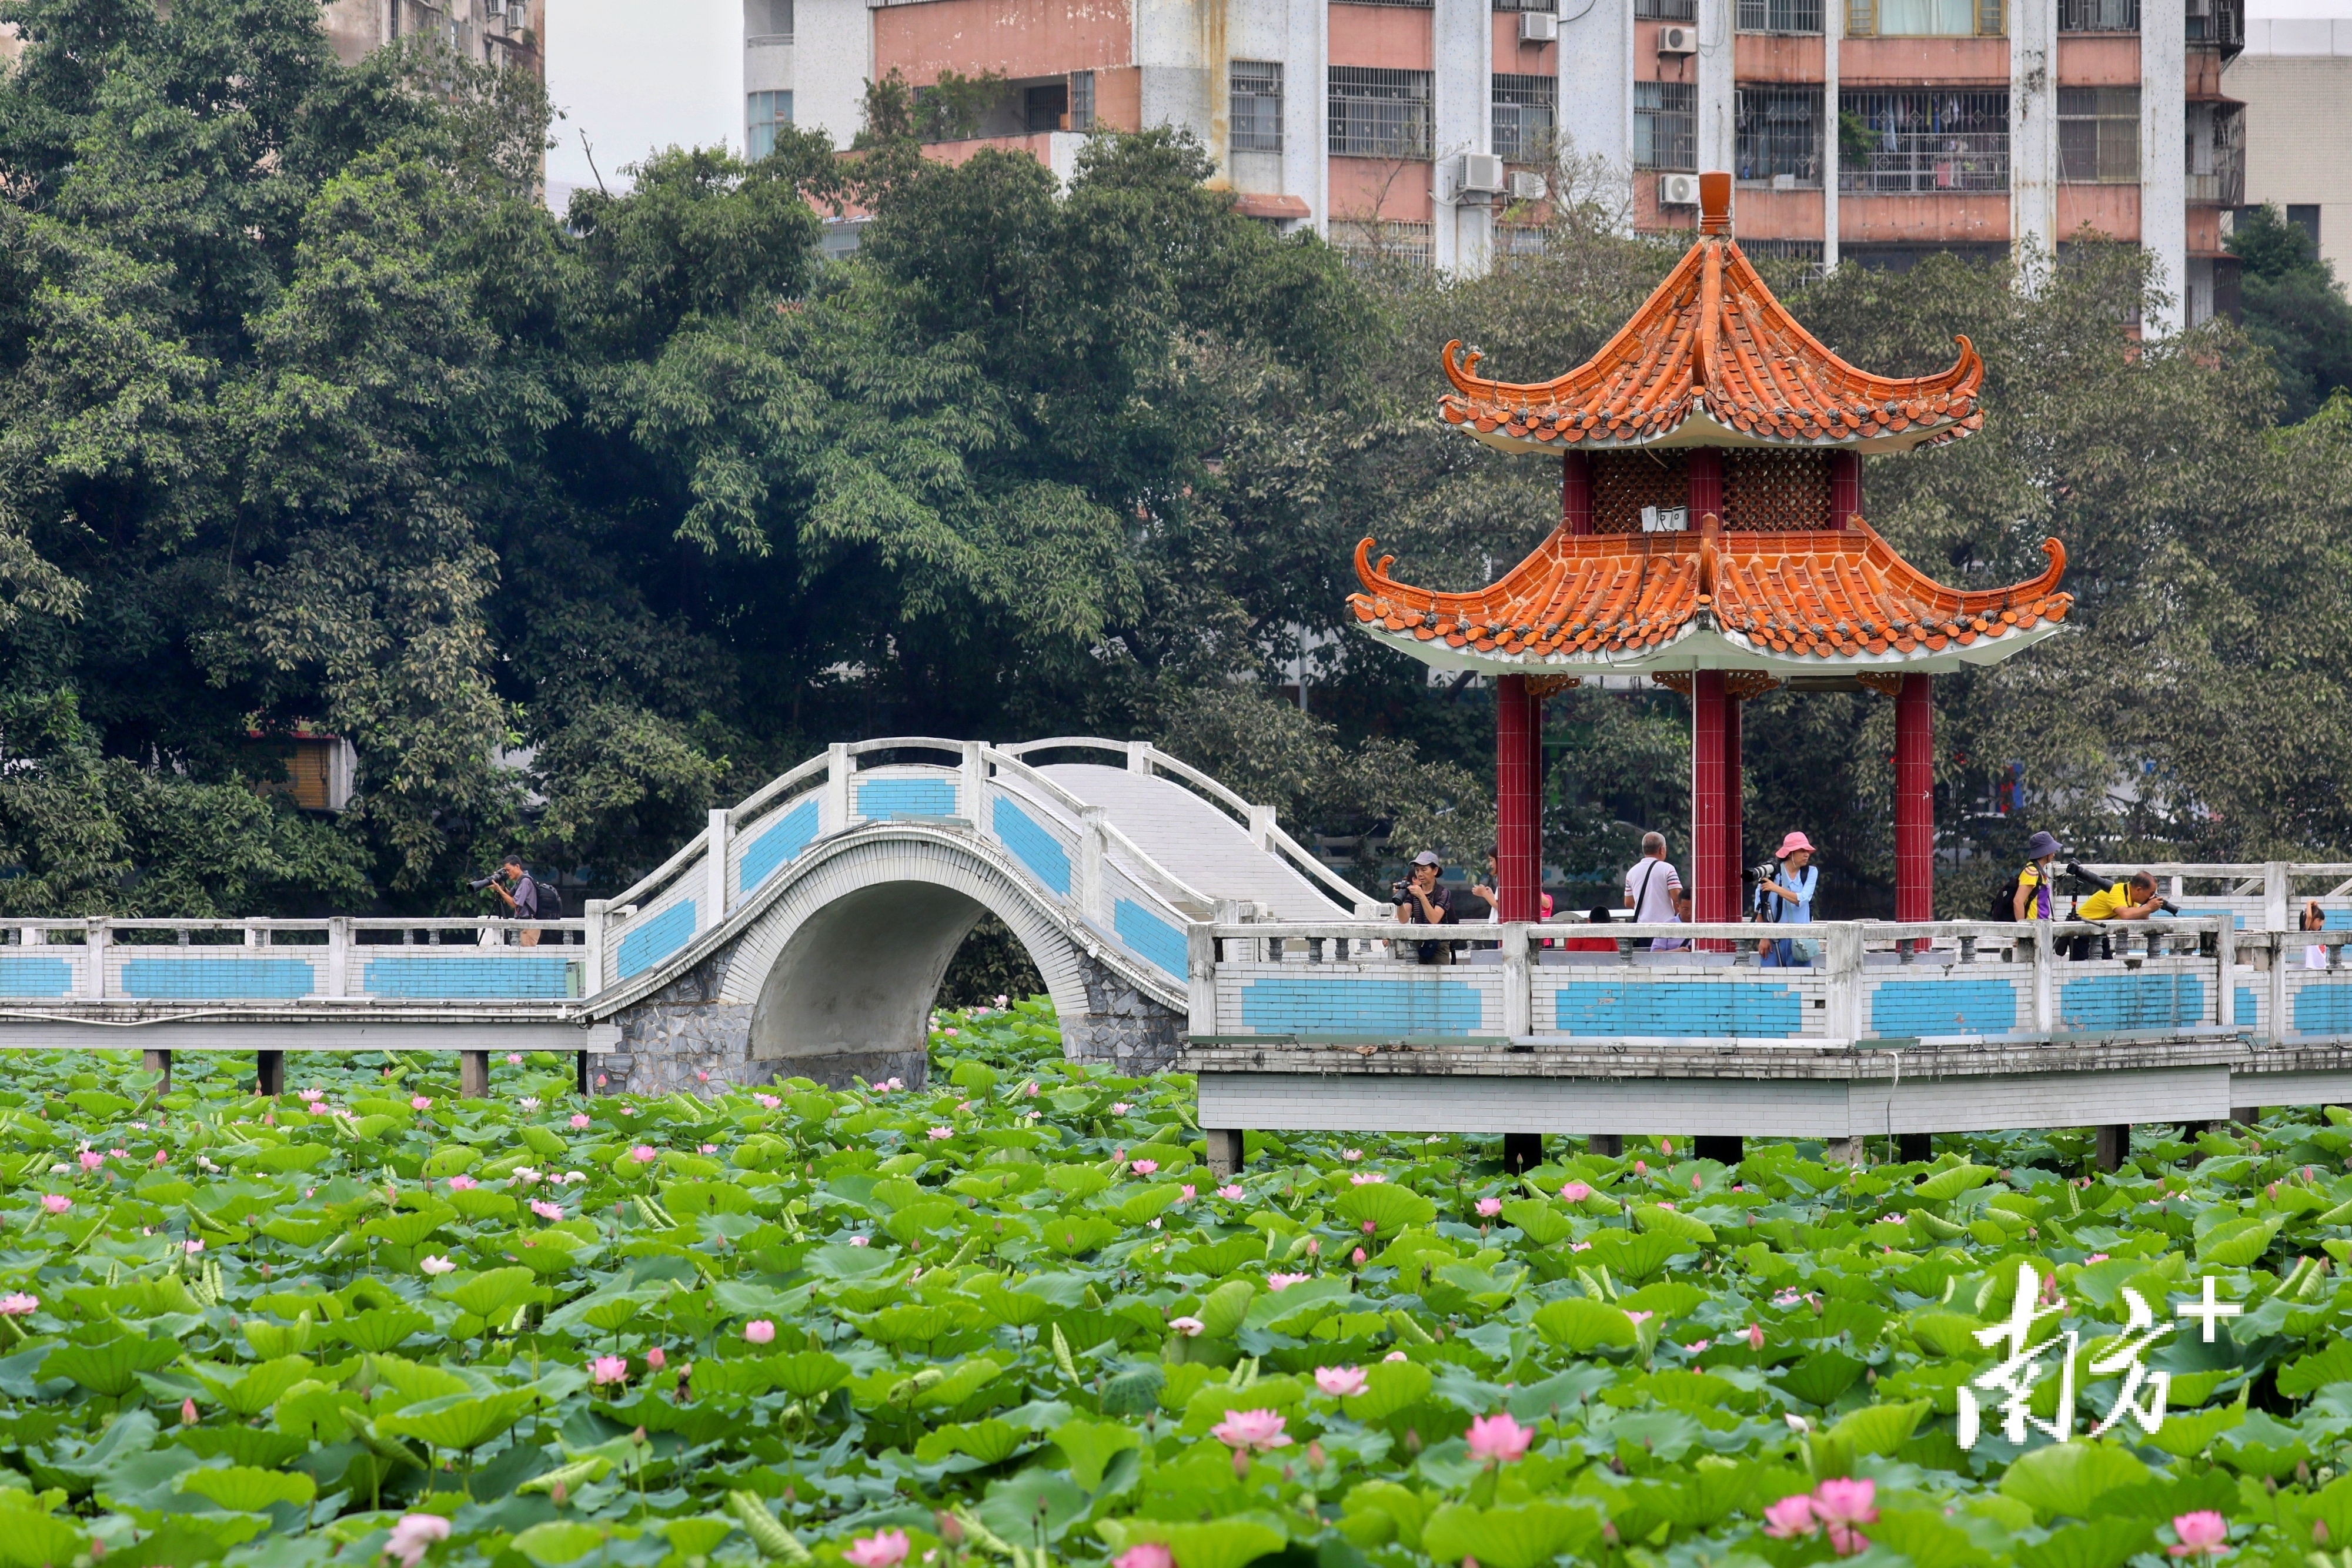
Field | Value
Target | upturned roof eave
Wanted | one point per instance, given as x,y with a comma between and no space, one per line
1698,428
1696,648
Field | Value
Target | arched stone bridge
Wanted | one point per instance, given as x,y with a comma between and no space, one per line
805,931
814,940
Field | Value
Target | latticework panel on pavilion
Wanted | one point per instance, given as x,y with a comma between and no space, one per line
1775,491
1625,482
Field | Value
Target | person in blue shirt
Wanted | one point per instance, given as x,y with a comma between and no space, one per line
1788,899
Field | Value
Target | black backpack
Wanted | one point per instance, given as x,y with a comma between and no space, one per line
2004,903
550,900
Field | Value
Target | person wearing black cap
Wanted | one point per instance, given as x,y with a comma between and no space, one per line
2031,898
1423,900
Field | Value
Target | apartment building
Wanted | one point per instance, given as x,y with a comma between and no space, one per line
2296,78
1872,129
504,33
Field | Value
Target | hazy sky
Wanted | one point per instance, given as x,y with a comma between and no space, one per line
635,77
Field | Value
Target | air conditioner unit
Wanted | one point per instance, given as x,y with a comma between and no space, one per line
1538,28
1678,40
1678,190
1482,174
1526,187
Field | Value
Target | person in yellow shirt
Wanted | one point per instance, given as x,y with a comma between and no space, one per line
2133,900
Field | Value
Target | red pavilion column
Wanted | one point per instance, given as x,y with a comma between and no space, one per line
1733,825
1711,876
1576,492
1914,800
1515,801
1535,802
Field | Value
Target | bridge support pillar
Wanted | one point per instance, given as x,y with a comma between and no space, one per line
583,1073
270,1073
1226,1152
2245,1115
1522,1151
1610,1146
159,1062
1724,1150
474,1075
1915,1148
2114,1144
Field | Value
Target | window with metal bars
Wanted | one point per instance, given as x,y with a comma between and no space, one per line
1378,113
1257,106
2098,16
1370,242
1927,18
1082,101
1665,125
1526,111
1778,135
1665,10
1779,16
2098,135
1924,142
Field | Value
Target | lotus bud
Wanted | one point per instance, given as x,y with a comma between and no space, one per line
559,1494
188,1417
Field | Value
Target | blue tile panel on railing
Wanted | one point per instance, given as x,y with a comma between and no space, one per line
2323,1007
218,979
1904,1009
885,797
35,978
792,834
1389,1008
1678,1010
481,977
1032,845
2131,1001
1149,937
653,940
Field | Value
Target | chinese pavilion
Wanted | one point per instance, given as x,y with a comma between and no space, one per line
1711,537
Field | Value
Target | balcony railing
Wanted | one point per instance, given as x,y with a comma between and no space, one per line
1930,163
2222,188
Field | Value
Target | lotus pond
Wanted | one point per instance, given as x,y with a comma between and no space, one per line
1008,1317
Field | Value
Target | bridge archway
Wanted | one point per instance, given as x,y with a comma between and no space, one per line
835,972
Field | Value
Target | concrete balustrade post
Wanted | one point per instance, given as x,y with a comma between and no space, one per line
833,813
1518,986
715,843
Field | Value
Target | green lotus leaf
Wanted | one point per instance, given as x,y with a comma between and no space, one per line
806,1373
2065,1478
558,1541
1524,1536
1389,1207
1540,1222
493,1294
462,1422
382,1328
241,1489
1223,1544
1088,1446
110,1370
1581,1325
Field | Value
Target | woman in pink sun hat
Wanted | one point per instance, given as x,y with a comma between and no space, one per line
1786,898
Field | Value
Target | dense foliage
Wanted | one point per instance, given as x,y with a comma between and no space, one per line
2294,307
1008,1317
577,525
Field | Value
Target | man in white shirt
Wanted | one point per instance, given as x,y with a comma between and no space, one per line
1651,884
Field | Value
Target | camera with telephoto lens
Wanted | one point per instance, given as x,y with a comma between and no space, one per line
480,882
1756,875
1400,893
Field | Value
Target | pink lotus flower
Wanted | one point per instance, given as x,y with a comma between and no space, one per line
940,1134
645,1154
1576,1192
760,1331
1844,1506
1255,1430
1120,1107
545,1209
883,1549
655,1358
1638,1317
192,1246
1756,1336
1352,1153
19,1305
1790,1517
161,1157
189,1415
1497,1439
1145,1554
419,1103
768,1102
1339,1381
514,1058
1188,1192
1003,1001
607,1369
1356,1258
1666,1147
2202,1534
1030,1089
90,1159
1366,1178
861,1240
579,1121
1280,1282
2095,1257
412,1535
437,1266
1694,1185
1191,1328
708,1148
463,1184
1231,1193
1396,1355
1698,1346
1640,1168
314,1095
1489,1206
1314,1247
1144,1167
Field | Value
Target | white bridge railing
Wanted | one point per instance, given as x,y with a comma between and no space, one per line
1942,982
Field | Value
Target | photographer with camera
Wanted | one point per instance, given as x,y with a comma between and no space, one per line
1422,900
517,891
1784,896
2132,899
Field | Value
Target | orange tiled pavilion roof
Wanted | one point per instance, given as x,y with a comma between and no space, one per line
1712,359
1793,604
